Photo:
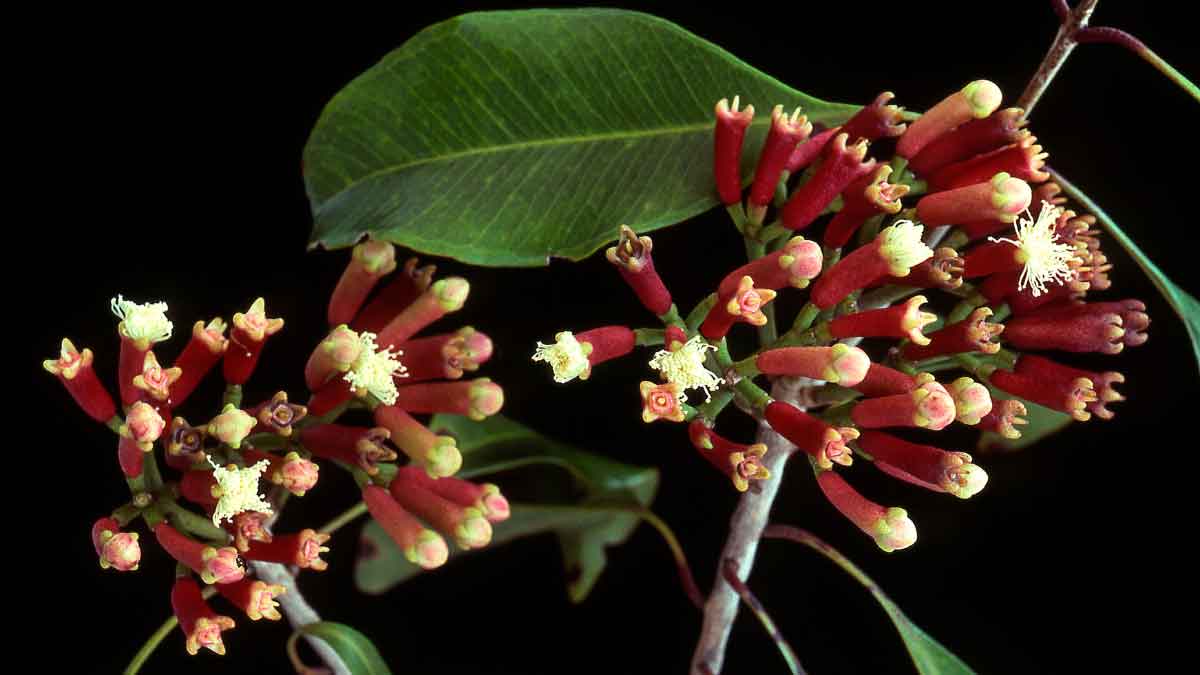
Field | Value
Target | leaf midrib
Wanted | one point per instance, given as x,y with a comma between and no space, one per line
524,145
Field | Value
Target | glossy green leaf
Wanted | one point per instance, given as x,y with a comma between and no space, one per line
508,138
355,649
1041,422
605,513
1184,304
928,655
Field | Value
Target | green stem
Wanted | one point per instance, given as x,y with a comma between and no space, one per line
1167,69
345,518
699,312
184,519
233,395
671,317
710,409
114,423
649,337
755,397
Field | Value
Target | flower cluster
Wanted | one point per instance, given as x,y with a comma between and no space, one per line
233,471
933,255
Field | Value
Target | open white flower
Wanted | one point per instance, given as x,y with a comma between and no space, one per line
902,248
1045,260
685,367
374,370
239,491
567,357
145,323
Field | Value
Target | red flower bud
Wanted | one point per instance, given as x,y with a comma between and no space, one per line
302,549
421,546
466,524
250,331
408,285
924,465
740,463
333,355
214,565
478,399
744,305
976,137
74,369
826,444
840,166
808,151
840,363
116,549
631,256
728,136
358,446
876,120
370,261
869,195
1069,396
889,527
781,141
929,406
484,497
203,351
1006,415
255,598
1077,331
200,624
443,297
794,265
977,100
998,197
1065,377
1023,159
883,381
973,334
446,356
894,252
903,321
944,270
438,455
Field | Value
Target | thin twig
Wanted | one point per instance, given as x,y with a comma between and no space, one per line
1064,43
761,612
745,530
1116,36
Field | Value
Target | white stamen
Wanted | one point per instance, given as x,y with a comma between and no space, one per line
375,369
143,321
239,491
566,356
901,245
736,99
685,367
1045,259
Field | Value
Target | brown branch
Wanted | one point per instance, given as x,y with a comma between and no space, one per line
745,530
1064,43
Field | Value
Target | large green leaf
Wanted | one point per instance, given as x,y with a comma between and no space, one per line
928,655
606,512
1184,304
1040,423
356,650
505,138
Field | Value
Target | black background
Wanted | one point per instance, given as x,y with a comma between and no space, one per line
169,169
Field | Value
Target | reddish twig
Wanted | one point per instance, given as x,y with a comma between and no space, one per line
740,587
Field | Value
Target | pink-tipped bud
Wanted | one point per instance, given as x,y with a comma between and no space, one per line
201,626
1001,198
116,549
439,455
399,293
883,381
371,261
876,120
903,321
728,137
231,426
214,565
794,265
446,356
246,527
441,298
478,399
74,369
977,100
467,524
840,166
155,381
826,444
891,528
1005,417
744,305
335,354
294,473
924,465
740,463
143,425
302,549
839,364
786,131
972,401
973,334
420,546
360,446
928,406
